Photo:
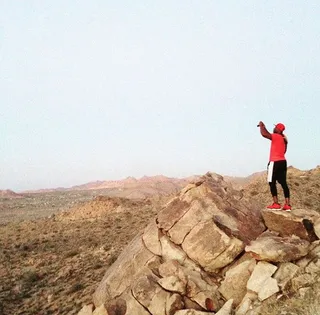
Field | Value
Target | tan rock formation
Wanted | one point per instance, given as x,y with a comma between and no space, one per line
234,286
288,224
208,252
278,249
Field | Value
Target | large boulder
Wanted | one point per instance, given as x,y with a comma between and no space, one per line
261,281
234,285
191,284
150,294
290,223
211,198
210,247
131,263
273,248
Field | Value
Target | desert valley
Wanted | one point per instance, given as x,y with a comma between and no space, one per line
56,245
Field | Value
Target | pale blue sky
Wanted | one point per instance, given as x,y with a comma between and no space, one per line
99,90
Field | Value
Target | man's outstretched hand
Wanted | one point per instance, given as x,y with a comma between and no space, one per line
264,132
261,124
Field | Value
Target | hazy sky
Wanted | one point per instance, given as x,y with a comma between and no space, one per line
99,90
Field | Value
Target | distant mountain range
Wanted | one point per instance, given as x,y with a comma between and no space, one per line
146,181
9,194
147,186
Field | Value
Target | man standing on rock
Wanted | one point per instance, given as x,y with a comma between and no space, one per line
277,167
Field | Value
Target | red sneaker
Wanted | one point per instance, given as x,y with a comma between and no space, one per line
274,206
286,207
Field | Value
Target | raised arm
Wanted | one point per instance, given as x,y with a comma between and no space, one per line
264,132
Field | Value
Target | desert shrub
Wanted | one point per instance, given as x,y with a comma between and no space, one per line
29,277
25,247
71,253
296,305
106,247
97,265
76,287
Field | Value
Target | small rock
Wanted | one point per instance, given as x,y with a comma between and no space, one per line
86,310
226,308
261,281
101,310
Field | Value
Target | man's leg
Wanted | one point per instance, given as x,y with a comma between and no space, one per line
273,190
282,179
272,168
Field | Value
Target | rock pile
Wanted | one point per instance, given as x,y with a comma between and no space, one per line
211,251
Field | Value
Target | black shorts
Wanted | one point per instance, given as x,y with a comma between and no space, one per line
277,171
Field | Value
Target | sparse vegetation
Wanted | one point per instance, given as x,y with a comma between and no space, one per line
30,276
307,304
76,287
71,253
42,260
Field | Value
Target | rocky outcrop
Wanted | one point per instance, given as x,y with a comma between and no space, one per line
300,224
278,249
210,199
135,261
210,251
